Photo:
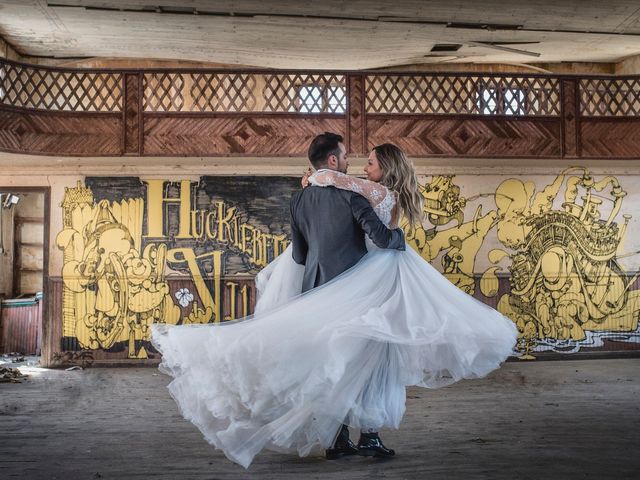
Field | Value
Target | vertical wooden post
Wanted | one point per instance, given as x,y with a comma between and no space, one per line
132,144
570,117
47,302
356,141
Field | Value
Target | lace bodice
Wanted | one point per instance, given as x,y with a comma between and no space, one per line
380,197
384,209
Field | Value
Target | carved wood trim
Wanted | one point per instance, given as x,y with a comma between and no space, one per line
570,117
223,135
356,115
132,113
61,134
609,137
468,137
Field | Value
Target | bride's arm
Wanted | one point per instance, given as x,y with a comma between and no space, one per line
372,191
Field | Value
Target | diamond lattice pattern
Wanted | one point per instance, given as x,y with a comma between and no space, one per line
221,92
317,93
450,94
59,90
609,97
245,92
163,92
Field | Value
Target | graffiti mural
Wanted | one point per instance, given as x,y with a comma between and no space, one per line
560,245
548,252
124,239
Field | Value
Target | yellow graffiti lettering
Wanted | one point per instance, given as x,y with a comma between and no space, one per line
197,227
245,300
244,228
188,256
155,208
209,226
233,286
222,224
224,217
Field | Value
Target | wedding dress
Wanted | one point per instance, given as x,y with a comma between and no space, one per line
287,377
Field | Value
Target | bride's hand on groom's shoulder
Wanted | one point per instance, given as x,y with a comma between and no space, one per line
304,181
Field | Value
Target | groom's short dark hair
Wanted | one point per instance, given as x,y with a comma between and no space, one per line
322,147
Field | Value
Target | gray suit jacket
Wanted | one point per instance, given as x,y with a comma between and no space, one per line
328,226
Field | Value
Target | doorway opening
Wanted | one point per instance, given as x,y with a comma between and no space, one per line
24,235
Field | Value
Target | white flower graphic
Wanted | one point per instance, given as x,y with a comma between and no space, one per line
184,296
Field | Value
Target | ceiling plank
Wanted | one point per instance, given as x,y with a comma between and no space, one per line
357,34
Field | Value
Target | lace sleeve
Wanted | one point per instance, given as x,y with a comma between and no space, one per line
372,191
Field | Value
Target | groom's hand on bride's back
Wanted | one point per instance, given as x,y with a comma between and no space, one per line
401,245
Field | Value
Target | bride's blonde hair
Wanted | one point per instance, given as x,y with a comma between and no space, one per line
398,174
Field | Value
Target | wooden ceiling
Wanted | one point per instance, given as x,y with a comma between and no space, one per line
329,34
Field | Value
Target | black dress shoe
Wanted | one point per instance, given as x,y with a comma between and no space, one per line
370,445
342,446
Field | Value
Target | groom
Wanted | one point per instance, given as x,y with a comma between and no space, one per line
328,228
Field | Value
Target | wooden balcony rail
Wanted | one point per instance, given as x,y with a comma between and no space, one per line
610,97
55,111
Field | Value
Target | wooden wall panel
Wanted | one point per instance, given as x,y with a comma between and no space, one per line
132,114
235,135
52,321
356,115
458,136
20,325
570,116
610,137
60,133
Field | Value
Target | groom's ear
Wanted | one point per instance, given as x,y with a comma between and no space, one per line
332,161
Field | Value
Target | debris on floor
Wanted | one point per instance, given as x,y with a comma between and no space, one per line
13,357
11,375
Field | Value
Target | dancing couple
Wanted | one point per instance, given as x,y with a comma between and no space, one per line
347,317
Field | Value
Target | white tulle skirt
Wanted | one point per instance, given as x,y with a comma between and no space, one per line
287,378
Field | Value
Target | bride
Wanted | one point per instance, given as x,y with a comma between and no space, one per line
287,377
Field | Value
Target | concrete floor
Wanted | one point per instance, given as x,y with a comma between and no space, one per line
571,419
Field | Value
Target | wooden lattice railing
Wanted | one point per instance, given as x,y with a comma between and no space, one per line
607,97
462,95
51,89
219,92
145,112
